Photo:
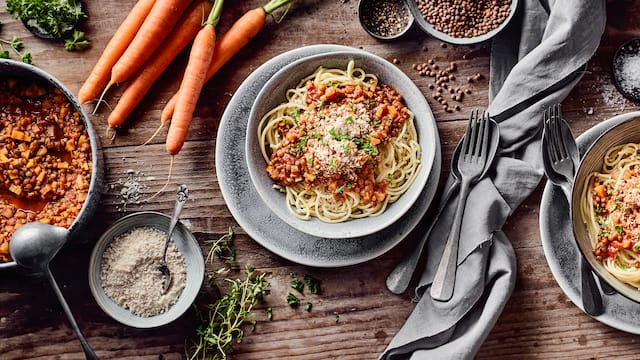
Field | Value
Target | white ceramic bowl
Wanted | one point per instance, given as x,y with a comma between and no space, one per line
273,93
627,131
429,29
187,245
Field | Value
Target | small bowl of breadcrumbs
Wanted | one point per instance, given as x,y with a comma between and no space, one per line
463,22
124,274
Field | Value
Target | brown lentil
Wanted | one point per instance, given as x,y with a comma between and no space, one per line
464,18
45,158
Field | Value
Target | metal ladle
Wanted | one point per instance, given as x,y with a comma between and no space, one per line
33,246
182,194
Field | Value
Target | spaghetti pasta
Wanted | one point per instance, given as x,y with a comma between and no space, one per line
610,208
341,147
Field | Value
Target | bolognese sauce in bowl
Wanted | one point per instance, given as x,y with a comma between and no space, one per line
50,163
339,145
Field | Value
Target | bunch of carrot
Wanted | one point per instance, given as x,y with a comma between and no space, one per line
149,39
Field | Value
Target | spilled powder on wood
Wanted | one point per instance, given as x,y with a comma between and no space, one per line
130,272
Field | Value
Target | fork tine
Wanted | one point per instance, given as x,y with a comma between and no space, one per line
468,135
484,150
548,133
478,137
558,143
563,145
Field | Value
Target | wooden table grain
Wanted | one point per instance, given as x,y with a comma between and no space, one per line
355,316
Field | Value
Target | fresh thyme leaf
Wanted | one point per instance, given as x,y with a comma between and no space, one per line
4,54
297,285
292,300
313,284
308,306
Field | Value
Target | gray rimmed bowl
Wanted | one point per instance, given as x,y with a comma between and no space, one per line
273,93
12,68
186,244
627,131
431,30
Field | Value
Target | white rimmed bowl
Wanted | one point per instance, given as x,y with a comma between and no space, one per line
273,93
186,244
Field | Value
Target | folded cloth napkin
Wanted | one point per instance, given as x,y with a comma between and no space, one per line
535,62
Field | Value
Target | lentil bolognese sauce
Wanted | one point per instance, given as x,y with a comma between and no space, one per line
610,209
45,158
343,146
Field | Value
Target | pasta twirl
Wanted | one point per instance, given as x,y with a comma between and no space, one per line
341,147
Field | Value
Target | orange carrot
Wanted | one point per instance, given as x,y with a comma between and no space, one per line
99,76
183,32
161,19
238,36
193,80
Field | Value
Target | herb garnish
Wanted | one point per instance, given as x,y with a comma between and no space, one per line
292,300
312,283
57,19
221,322
16,45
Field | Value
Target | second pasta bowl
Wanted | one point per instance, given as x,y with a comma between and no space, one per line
605,207
341,144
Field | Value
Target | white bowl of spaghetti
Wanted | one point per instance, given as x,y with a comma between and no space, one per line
340,145
605,207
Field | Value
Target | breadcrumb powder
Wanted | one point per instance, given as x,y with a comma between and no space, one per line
130,272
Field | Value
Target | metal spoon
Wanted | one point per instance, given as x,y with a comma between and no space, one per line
400,277
182,194
34,245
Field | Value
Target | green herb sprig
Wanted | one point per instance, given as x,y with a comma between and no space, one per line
223,325
57,19
17,46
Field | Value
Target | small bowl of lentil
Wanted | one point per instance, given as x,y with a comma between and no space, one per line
463,22
124,275
385,19
50,158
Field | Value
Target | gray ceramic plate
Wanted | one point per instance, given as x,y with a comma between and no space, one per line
562,253
187,245
273,94
261,223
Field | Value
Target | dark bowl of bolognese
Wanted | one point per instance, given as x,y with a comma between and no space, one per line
50,157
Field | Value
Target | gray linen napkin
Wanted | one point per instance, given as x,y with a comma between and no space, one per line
535,62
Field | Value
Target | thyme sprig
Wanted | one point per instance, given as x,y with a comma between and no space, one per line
222,322
223,325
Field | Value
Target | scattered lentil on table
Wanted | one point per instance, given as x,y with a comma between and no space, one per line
130,272
45,158
464,18
386,18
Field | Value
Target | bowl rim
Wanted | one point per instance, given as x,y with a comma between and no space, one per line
193,283
407,28
425,126
592,156
429,29
97,171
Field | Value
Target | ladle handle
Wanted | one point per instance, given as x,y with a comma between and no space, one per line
88,352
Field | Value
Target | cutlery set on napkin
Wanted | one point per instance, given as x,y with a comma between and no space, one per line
535,63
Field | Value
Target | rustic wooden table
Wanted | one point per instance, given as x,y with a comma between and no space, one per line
355,316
